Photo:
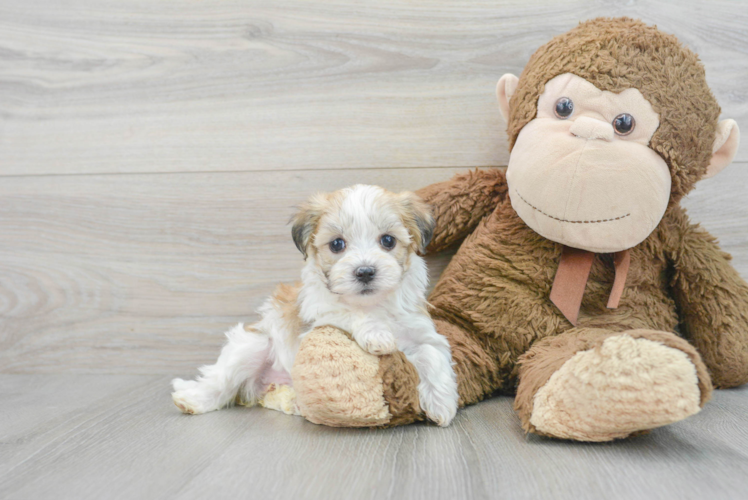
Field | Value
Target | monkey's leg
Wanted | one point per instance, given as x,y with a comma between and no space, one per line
339,384
593,384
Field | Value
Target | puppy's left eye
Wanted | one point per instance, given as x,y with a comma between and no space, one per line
387,241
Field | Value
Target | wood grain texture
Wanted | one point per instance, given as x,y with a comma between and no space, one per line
216,85
120,437
143,273
151,154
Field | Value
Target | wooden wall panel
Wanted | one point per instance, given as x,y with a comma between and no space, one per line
151,152
216,85
143,273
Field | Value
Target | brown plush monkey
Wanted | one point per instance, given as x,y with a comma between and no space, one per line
574,272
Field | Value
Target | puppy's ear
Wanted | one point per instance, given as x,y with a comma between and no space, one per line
305,222
417,218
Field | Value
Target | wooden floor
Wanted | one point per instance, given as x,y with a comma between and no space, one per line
151,154
119,436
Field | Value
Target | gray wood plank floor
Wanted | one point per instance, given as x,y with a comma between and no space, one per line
119,436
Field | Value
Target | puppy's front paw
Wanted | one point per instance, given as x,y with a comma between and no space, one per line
440,412
191,398
377,342
439,403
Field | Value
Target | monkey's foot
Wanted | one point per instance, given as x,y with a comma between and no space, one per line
625,384
339,384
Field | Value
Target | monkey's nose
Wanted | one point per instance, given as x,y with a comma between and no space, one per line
365,274
590,128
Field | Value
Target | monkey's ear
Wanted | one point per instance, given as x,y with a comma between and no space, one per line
725,147
305,222
504,91
417,218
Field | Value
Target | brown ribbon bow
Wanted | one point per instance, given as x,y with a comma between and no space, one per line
571,278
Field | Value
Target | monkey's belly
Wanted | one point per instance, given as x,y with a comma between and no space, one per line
498,286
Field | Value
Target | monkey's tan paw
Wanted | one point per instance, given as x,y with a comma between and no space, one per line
339,384
623,386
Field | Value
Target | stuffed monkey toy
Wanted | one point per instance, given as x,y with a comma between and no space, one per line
580,284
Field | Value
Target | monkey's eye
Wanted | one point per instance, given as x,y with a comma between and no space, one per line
564,108
337,245
387,241
624,124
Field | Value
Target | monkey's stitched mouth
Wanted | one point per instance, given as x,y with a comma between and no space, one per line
565,220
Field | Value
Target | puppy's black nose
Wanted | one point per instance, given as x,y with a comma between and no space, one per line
365,274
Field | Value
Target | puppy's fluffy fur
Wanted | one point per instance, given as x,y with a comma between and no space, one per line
362,275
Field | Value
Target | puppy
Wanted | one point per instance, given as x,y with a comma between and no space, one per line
362,275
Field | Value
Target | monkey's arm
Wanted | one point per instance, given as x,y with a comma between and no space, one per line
460,203
713,302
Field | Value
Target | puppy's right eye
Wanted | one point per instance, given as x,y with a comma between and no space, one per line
337,245
387,241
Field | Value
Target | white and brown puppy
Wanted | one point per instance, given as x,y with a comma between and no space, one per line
362,275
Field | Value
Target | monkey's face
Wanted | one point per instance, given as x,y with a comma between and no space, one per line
582,173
